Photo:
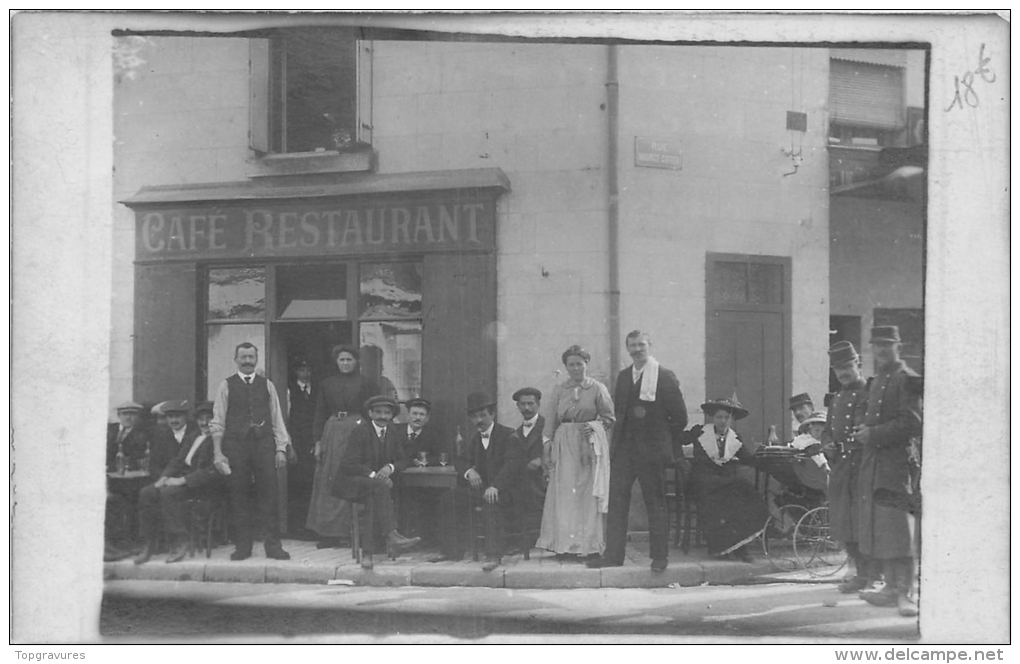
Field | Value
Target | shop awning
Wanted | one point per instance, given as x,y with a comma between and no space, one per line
360,184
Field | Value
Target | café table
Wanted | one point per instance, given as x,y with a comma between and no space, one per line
442,478
127,485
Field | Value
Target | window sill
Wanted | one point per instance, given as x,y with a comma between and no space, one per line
311,163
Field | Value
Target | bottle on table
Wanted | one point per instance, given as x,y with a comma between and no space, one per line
120,459
773,439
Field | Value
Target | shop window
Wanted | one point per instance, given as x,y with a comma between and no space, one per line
235,313
311,292
390,290
305,90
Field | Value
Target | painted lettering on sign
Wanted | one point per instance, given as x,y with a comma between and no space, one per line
656,153
274,230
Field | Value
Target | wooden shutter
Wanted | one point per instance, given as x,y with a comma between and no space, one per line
866,95
363,131
165,332
258,102
458,335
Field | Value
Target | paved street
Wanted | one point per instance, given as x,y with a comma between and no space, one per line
139,610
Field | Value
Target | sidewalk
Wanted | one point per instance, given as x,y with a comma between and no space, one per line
314,566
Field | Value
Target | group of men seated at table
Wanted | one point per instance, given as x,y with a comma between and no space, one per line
498,477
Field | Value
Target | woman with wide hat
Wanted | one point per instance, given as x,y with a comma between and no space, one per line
730,511
338,410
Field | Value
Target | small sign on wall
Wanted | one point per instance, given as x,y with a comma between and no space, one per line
658,153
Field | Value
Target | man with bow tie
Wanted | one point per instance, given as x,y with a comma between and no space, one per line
250,440
375,451
492,472
529,400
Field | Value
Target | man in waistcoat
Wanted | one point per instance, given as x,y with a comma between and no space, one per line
301,396
847,410
650,416
893,419
250,441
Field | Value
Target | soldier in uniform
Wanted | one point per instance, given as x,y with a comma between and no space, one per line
846,411
893,419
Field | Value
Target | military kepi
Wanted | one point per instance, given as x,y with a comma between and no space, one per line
479,400
885,334
841,353
800,399
382,400
526,392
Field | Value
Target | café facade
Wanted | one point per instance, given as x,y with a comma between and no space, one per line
464,210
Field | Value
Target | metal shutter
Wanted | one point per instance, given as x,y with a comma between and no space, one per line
866,95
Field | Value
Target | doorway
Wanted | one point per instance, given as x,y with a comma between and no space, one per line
748,341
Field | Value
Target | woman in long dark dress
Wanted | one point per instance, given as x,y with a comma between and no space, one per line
730,511
337,411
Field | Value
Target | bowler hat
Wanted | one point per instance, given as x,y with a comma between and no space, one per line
527,391
180,406
478,401
204,407
382,400
129,406
418,401
885,334
817,417
732,405
841,353
800,399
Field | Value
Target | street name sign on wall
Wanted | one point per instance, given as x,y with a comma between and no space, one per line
658,153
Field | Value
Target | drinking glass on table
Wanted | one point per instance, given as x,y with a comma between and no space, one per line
422,460
443,459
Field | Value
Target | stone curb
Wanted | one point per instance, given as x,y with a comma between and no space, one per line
465,574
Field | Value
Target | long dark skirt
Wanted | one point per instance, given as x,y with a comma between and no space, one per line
329,516
731,516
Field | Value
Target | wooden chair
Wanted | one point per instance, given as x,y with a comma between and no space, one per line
359,510
207,517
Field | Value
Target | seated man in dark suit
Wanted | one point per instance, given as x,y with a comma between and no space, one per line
425,445
376,449
168,440
491,473
188,475
127,440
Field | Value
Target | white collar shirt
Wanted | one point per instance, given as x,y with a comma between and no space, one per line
486,435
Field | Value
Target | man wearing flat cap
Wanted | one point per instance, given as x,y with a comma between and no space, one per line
490,472
189,475
533,484
375,451
126,435
168,440
250,442
893,419
847,410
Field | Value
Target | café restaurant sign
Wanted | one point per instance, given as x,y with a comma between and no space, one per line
261,228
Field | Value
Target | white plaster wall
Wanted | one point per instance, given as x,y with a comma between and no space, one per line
727,106
533,110
180,116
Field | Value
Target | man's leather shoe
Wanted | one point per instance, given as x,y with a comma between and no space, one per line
240,554
659,565
885,596
853,585
906,606
598,562
490,564
277,553
366,562
743,554
397,541
144,556
443,557
177,555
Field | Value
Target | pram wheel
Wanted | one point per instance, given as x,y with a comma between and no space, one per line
814,550
778,537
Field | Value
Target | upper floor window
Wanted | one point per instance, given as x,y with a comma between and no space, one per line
866,104
305,92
